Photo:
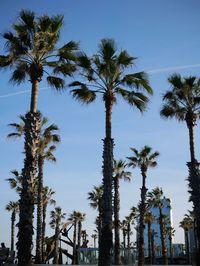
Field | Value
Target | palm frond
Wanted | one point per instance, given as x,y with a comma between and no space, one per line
84,95
56,82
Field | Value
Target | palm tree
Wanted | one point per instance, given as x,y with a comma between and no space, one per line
13,207
95,197
183,103
143,159
170,233
148,219
74,217
81,218
46,146
15,181
56,221
187,224
155,199
94,236
119,173
106,73
46,199
32,53
124,232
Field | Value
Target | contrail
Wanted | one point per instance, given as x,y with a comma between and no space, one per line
19,92
173,68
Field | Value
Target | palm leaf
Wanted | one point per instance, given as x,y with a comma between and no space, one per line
56,82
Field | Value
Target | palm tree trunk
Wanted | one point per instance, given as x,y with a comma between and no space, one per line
43,230
117,258
149,243
190,124
170,249
124,238
56,250
106,244
13,218
38,258
142,208
79,233
162,237
74,244
34,96
26,202
187,246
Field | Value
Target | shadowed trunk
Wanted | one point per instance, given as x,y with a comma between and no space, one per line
38,258
124,237
106,244
194,185
13,218
100,221
56,249
117,258
79,233
170,249
74,244
162,237
142,208
26,203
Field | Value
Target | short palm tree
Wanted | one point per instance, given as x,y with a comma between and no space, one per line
94,236
119,173
187,224
155,199
31,54
74,216
48,137
81,218
183,103
46,199
170,233
149,219
106,74
13,207
143,159
57,217
95,198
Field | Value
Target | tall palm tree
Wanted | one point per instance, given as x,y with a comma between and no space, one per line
32,53
155,199
182,102
56,221
45,148
143,159
148,219
95,197
46,199
13,207
187,224
119,173
105,73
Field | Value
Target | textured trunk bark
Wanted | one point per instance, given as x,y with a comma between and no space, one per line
26,205
162,237
99,221
38,258
187,246
124,238
79,233
34,96
142,208
149,243
13,218
43,231
106,244
117,258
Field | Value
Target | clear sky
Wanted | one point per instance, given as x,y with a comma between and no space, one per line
165,36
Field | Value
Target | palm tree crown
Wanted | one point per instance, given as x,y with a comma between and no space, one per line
32,52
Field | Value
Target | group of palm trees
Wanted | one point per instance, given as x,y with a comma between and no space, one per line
32,54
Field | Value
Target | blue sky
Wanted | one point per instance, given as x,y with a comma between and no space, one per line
165,36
